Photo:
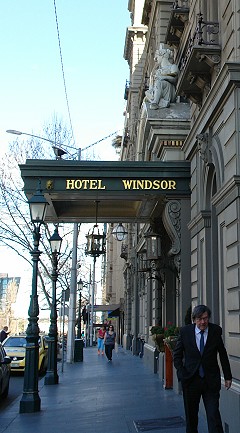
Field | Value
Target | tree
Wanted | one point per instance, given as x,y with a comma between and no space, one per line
15,225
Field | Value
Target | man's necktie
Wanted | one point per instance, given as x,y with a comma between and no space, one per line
201,371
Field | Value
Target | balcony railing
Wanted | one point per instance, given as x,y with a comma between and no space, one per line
180,4
177,21
201,56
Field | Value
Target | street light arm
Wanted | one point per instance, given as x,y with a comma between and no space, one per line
13,131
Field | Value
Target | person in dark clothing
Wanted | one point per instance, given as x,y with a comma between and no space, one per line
4,334
109,341
195,358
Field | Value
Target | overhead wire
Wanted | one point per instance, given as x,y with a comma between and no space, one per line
112,133
66,94
63,74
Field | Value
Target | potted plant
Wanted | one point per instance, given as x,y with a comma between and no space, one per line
171,333
157,333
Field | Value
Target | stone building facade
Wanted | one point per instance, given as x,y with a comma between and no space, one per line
197,238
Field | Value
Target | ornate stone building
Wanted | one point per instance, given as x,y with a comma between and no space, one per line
182,104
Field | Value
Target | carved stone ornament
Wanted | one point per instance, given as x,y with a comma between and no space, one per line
172,224
204,147
163,80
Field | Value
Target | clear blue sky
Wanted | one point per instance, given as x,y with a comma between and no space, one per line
92,35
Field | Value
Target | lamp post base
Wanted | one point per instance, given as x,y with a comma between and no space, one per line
30,403
51,378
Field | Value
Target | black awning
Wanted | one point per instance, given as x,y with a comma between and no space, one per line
114,313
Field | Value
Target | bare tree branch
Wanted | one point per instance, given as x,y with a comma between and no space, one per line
15,225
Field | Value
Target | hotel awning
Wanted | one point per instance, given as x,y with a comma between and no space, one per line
126,191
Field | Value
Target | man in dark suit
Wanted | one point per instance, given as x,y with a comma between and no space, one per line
196,360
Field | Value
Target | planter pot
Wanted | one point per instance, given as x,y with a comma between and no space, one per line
170,342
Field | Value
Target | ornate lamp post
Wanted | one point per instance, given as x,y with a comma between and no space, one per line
94,248
78,349
31,401
51,377
80,287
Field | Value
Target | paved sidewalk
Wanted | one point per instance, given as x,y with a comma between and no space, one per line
95,396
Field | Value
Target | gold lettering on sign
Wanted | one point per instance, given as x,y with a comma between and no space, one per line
84,184
70,184
128,184
149,184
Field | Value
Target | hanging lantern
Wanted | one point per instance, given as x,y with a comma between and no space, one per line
95,243
153,245
119,232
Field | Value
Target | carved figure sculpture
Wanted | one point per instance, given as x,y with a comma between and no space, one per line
162,80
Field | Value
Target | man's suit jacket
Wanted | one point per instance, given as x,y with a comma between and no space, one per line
187,357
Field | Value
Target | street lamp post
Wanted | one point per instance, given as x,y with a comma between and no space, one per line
51,377
31,401
78,347
58,151
79,329
95,247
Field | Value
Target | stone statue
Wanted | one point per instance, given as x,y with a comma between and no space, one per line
162,80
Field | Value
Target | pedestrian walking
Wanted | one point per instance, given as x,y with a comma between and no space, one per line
4,333
100,340
109,341
196,361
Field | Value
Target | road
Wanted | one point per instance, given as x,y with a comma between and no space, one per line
16,387
15,390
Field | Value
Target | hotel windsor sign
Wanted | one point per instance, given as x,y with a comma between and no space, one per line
124,184
127,191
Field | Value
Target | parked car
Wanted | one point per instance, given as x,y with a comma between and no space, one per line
5,370
15,347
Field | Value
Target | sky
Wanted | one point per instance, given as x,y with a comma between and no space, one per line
92,37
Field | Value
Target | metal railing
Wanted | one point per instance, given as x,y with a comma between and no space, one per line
180,4
206,34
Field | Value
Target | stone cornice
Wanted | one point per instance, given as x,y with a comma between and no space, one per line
165,124
131,32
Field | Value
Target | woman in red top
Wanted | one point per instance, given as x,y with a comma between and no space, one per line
101,334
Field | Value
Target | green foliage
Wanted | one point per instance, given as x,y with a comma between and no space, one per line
157,329
167,331
170,330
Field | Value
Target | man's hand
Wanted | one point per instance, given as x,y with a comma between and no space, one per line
228,384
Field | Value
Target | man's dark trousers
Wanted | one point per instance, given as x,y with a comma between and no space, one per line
192,393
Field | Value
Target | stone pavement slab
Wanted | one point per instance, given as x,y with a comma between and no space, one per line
96,396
